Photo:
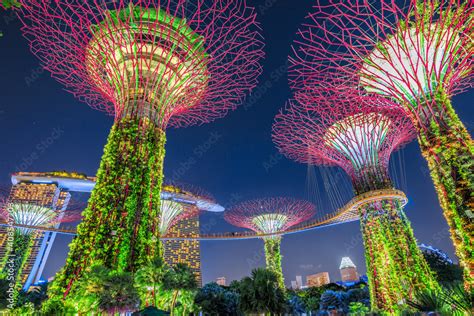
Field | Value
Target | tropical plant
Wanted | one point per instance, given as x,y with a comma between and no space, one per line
460,300
358,308
428,301
102,289
178,279
57,306
85,293
261,293
332,300
296,305
118,294
213,299
26,309
446,272
4,292
35,295
359,295
149,277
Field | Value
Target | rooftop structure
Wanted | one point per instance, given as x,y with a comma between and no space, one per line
346,262
348,270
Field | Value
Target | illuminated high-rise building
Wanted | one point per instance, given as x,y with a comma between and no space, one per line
52,189
348,270
184,251
318,279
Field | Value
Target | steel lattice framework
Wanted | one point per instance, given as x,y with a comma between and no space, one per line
268,216
359,133
408,54
37,215
151,64
344,129
417,55
23,218
177,62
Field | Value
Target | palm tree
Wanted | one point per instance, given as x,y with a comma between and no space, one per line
119,294
84,295
460,300
150,276
261,293
177,279
268,293
105,290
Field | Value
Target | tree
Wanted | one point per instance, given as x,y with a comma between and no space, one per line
428,301
149,277
35,295
118,294
296,305
446,272
261,293
359,295
332,300
105,290
358,308
85,294
213,299
179,278
312,298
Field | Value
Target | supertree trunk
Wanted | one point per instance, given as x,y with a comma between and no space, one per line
449,151
120,226
16,257
395,266
273,257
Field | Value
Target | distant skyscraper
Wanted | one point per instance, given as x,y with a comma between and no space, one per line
184,251
294,286
299,281
221,281
52,189
348,270
318,279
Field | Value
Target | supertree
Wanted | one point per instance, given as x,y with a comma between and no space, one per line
270,217
27,219
181,201
151,64
359,134
418,56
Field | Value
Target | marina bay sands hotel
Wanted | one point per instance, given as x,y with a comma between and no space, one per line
53,190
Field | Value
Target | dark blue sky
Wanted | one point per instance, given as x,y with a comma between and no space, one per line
44,128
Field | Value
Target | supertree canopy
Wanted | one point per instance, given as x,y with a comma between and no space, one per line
359,134
344,129
418,56
181,201
151,64
26,219
269,217
171,213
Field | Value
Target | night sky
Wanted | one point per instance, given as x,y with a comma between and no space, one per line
44,128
